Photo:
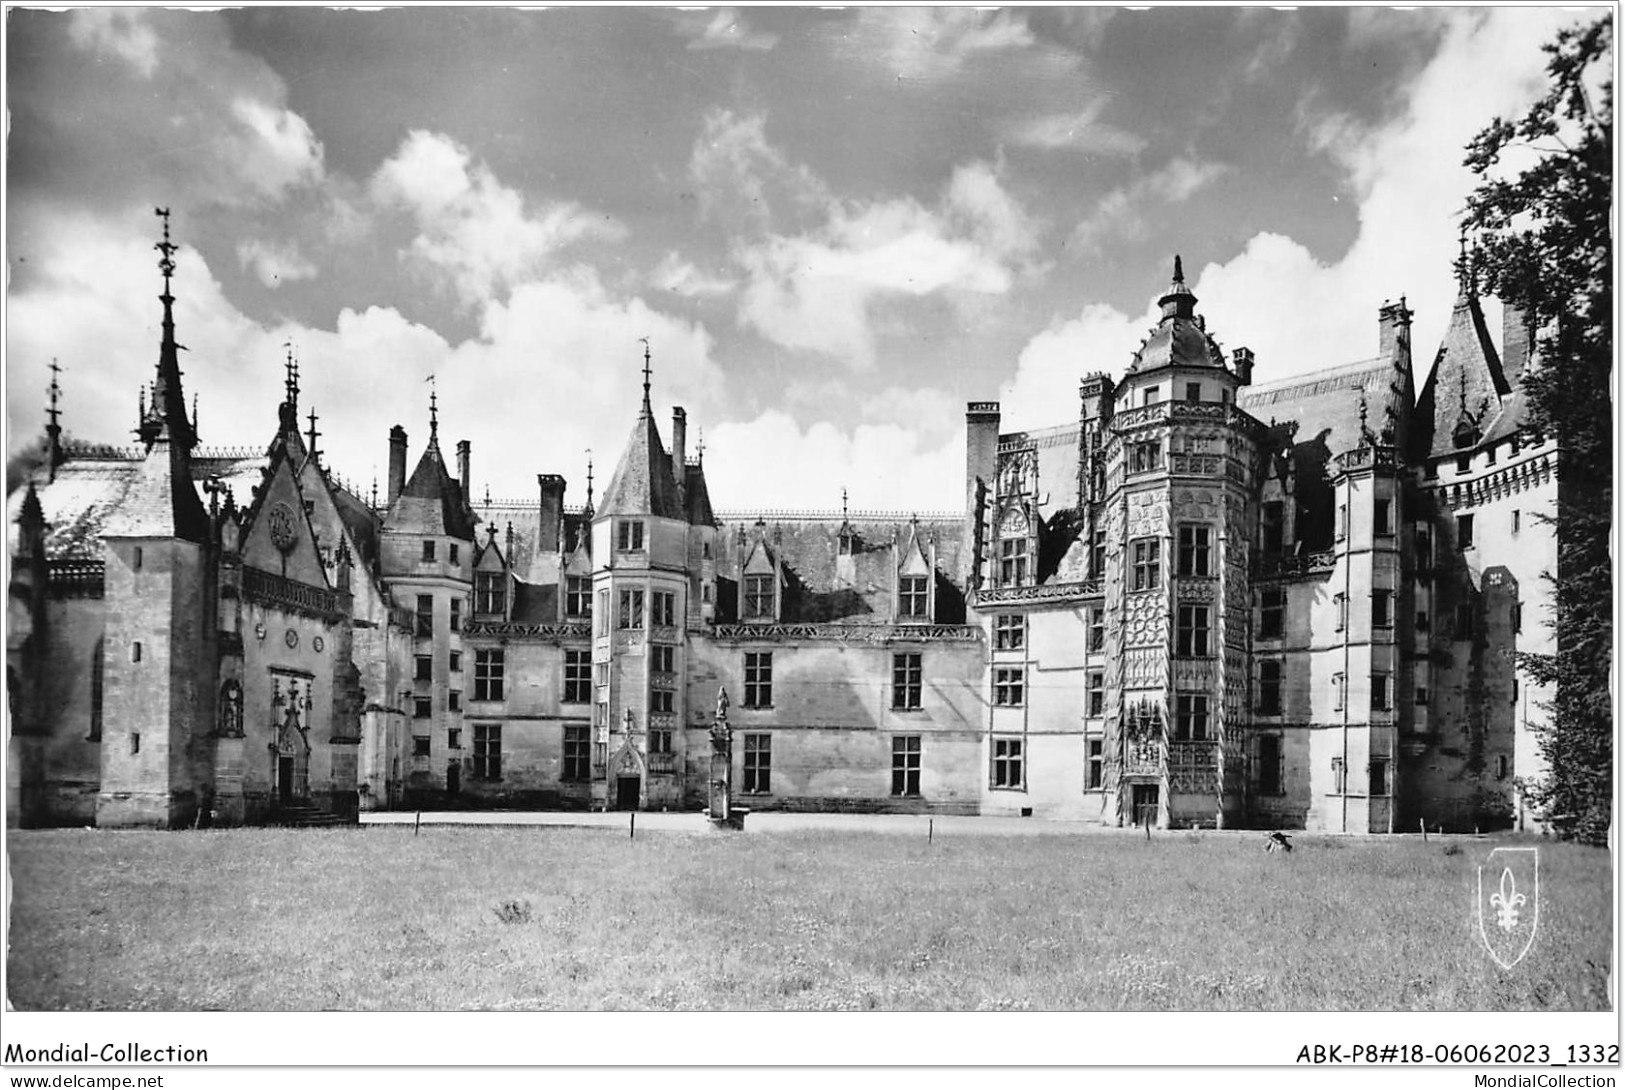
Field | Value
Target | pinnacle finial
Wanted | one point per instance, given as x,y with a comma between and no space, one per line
843,503
434,410
589,478
166,263
290,380
312,434
645,341
55,392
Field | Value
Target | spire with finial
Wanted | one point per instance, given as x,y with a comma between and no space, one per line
290,381
53,426
434,413
169,405
1464,269
843,503
589,479
646,408
1180,301
374,503
312,435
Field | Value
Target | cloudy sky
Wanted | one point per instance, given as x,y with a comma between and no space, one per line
834,226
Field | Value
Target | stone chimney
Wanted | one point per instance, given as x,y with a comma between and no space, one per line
981,467
462,465
397,463
550,524
1242,361
1393,320
1515,337
679,453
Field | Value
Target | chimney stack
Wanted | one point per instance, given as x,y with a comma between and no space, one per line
981,467
397,462
1242,360
462,465
1515,336
679,453
550,525
1393,319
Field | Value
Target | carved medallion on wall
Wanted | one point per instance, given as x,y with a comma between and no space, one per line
284,532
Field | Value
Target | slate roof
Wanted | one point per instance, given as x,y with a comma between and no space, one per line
432,501
643,483
698,496
1327,402
1466,380
1180,339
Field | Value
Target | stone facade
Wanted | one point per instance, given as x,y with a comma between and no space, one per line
1201,601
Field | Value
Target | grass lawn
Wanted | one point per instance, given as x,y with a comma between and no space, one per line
560,918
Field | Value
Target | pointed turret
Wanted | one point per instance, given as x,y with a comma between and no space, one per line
1464,389
643,483
432,500
169,400
1180,338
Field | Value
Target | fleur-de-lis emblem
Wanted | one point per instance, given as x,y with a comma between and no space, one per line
1507,902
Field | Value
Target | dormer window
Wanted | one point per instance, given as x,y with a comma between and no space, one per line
1012,562
759,597
912,599
490,592
629,536
428,550
577,596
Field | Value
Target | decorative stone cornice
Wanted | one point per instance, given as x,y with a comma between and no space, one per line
1048,592
848,633
573,630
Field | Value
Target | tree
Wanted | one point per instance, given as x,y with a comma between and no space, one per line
1545,245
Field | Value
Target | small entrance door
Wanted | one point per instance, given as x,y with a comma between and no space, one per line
1145,803
284,779
626,793
454,778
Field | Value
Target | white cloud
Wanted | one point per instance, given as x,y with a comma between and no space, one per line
1082,131
929,43
882,466
474,233
278,150
122,31
274,264
727,29
740,179
1045,387
681,277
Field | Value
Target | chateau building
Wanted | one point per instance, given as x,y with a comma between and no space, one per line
1200,600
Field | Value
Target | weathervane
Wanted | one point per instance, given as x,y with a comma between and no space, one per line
645,341
166,264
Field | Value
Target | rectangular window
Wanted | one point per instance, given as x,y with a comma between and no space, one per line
1010,632
1464,531
1422,694
1517,616
912,600
1424,547
629,536
1144,457
425,615
490,592
1007,763
1422,620
1097,554
577,677
98,669
1464,463
1273,615
1097,628
1382,609
631,607
575,768
905,765
1147,553
422,707
1516,520
663,608
1381,701
1269,688
420,745
1342,521
454,700
1009,687
660,741
455,662
1337,775
425,667
1190,718
603,613
454,738
1095,705
660,700
1191,632
1274,526
1194,550
489,666
758,764
428,550
1382,517
1342,605
759,597
1269,764
758,679
1337,692
1379,775
1095,748
452,548
456,614
1150,396
905,681
1012,561
662,658
577,596
1193,391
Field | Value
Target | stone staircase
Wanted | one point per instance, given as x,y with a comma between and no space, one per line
302,816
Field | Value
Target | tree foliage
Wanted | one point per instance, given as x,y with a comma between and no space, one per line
1545,245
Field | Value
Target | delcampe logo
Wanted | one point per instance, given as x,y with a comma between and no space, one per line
1509,903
